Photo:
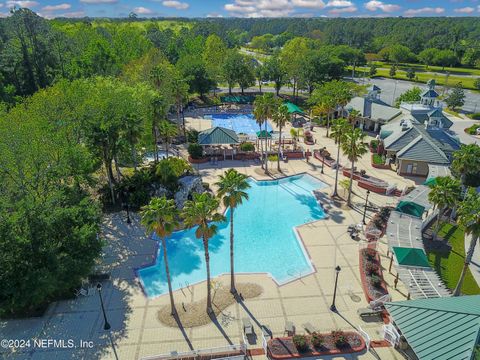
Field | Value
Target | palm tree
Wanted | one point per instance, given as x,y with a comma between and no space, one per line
159,106
352,116
259,114
167,132
131,134
353,147
444,195
296,134
264,107
280,118
325,106
160,216
469,218
200,212
466,161
339,129
231,188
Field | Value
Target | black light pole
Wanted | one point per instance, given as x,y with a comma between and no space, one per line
106,326
337,271
323,158
126,195
365,209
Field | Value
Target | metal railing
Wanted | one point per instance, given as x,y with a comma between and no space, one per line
241,348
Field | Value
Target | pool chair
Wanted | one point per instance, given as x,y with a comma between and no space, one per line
289,328
310,328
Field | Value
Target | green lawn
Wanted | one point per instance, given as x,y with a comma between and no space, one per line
450,266
431,68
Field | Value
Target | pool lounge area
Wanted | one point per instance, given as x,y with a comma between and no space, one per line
266,240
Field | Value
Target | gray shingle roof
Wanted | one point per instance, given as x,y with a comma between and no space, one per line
423,149
399,139
422,117
429,93
374,109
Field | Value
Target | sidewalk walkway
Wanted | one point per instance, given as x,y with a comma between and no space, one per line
475,264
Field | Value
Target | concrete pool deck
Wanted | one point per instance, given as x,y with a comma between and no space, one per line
136,331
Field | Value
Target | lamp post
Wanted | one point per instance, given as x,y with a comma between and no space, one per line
323,158
106,326
337,271
365,208
126,195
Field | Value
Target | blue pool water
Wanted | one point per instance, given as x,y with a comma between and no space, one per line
240,123
265,240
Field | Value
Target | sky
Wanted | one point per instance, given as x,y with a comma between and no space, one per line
246,8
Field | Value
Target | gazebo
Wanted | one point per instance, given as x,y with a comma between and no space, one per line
218,137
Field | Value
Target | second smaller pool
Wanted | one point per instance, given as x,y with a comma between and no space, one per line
240,123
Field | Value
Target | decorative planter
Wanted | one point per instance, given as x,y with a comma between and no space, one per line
202,160
371,293
284,348
380,166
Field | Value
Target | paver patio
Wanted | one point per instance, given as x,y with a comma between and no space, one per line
136,331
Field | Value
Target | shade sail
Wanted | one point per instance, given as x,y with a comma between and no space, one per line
410,208
414,257
293,109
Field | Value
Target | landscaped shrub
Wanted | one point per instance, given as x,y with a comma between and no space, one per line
376,281
339,338
371,268
247,146
374,145
195,151
192,136
317,340
370,254
378,159
472,130
300,342
474,116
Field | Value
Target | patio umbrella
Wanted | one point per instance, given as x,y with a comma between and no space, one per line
411,257
410,208
430,182
263,134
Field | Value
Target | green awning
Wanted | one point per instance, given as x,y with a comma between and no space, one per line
430,182
263,134
294,109
411,257
410,208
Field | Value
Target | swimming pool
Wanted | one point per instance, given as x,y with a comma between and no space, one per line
265,238
240,123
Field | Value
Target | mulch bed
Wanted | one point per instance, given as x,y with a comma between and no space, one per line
371,291
284,348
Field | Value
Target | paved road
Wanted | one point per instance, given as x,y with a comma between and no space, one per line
458,128
394,88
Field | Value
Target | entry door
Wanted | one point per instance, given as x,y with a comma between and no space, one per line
409,168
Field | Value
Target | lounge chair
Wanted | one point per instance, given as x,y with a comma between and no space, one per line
247,327
310,328
289,328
